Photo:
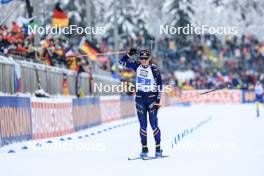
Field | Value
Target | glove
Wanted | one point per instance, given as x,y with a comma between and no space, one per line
157,101
154,105
132,52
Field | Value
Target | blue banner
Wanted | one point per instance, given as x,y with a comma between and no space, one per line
5,1
127,106
86,112
15,119
127,98
248,96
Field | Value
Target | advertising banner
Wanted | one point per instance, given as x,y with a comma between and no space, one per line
220,96
51,117
15,119
127,106
86,112
110,108
248,96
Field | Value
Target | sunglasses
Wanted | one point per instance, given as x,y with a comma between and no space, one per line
144,58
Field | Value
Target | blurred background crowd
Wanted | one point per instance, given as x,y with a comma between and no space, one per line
239,61
205,61
188,62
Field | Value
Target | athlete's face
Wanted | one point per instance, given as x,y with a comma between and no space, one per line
144,61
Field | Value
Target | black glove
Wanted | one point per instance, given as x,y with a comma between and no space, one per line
154,105
157,103
132,51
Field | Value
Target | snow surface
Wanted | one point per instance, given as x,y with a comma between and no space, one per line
231,143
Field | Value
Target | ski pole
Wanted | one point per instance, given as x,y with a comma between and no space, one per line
108,53
206,92
187,99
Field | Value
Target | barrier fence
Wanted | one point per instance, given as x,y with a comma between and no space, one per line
24,118
50,79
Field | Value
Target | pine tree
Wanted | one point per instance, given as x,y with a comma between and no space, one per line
243,14
250,15
126,23
142,21
180,12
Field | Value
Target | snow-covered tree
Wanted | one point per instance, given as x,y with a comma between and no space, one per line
180,12
122,14
250,15
246,15
154,16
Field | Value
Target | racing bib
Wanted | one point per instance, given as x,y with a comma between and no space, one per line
145,80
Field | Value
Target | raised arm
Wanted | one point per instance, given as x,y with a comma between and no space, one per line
124,61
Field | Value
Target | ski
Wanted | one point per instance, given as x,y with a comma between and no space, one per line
154,157
139,157
146,157
134,158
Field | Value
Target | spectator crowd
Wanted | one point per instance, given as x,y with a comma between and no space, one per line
51,50
213,61
238,61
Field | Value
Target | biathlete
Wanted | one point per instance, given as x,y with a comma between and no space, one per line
148,94
259,96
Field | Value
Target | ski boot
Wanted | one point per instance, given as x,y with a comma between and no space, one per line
144,152
158,153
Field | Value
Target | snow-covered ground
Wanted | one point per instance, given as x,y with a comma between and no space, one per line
230,143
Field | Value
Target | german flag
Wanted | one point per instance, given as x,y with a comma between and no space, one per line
90,49
59,18
65,85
